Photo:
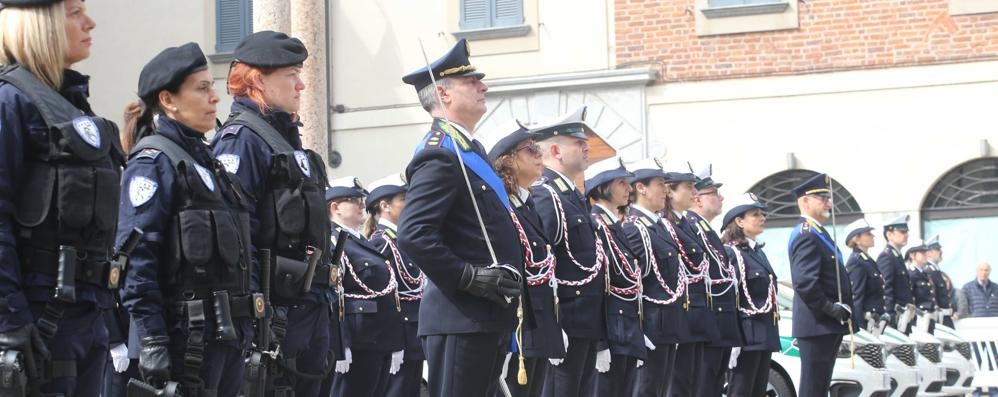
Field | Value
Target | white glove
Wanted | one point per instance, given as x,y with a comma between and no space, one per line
119,357
557,361
640,363
648,344
343,366
733,361
603,360
396,362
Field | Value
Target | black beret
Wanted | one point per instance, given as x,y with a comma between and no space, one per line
269,49
454,63
169,68
27,3
509,142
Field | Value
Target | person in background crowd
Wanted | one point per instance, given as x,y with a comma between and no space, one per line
384,206
982,301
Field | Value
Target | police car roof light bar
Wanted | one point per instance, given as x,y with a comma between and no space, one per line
464,171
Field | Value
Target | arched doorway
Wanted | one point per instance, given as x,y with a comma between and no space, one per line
962,207
782,215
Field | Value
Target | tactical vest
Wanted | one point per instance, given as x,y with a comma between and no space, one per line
208,243
292,213
68,194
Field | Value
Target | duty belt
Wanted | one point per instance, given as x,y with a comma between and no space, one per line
245,306
91,270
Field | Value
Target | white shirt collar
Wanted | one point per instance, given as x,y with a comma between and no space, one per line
524,194
647,213
681,215
751,242
571,184
387,223
612,214
355,233
463,131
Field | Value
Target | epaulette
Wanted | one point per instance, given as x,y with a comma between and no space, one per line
645,221
148,154
435,140
230,130
540,181
390,233
561,185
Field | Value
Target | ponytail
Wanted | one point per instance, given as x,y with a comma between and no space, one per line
139,118
369,224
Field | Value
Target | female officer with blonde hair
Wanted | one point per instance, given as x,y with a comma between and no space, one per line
59,172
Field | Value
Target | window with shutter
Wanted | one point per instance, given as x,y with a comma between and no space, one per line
483,14
233,22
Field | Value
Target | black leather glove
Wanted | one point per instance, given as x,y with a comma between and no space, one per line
492,283
836,310
154,360
29,342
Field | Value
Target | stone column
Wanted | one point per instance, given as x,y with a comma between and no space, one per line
272,15
308,24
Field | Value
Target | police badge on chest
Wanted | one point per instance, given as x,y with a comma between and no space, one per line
87,130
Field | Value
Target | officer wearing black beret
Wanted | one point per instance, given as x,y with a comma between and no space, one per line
819,280
261,144
195,257
60,167
456,227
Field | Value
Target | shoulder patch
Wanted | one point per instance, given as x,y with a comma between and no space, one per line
206,177
435,140
141,190
805,226
229,161
148,154
561,185
230,130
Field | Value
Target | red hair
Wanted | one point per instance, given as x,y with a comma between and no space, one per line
247,81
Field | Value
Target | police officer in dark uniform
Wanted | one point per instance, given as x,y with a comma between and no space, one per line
517,160
284,183
923,288
944,287
372,328
823,298
664,282
618,356
384,207
722,288
456,227
188,287
758,310
897,286
867,282
59,171
564,212
693,253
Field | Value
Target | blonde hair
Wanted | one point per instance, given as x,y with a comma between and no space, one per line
35,38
